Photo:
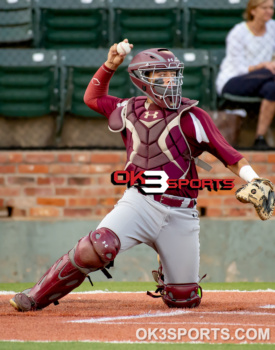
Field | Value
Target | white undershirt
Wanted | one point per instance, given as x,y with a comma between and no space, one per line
244,49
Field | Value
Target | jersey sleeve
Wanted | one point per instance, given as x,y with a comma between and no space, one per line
203,135
96,95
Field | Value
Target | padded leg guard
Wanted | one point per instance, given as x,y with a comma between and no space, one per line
186,295
91,253
182,295
58,281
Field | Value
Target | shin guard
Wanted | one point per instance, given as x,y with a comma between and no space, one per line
91,253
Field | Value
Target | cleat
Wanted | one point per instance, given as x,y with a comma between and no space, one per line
13,303
22,302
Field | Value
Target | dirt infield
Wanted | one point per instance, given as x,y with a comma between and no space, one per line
223,317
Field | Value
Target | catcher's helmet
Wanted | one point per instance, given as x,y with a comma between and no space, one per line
153,60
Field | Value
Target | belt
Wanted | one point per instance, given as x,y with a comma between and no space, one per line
171,201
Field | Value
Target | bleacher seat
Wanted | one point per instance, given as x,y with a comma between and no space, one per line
227,100
147,23
16,24
71,23
28,83
77,69
208,22
196,75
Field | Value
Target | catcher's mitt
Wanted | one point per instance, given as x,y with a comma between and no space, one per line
260,193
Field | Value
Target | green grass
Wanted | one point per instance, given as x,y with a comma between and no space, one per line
144,286
106,346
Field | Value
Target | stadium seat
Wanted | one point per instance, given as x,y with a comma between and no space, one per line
215,59
77,69
28,82
208,22
71,24
147,23
226,100
15,22
196,75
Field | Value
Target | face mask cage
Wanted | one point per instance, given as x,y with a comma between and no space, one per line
168,89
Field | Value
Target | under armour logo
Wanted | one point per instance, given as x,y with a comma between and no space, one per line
105,245
147,114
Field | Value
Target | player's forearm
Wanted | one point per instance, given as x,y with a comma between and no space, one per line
111,65
98,86
243,170
235,168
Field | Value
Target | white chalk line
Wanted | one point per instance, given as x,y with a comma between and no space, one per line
146,315
167,323
112,292
169,314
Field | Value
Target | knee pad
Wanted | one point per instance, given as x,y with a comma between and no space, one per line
106,243
96,250
177,295
181,295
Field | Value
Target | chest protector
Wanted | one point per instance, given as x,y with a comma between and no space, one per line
154,139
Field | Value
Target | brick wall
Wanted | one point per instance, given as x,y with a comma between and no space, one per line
71,184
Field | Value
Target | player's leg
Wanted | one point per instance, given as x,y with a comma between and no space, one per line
178,248
135,219
91,253
128,224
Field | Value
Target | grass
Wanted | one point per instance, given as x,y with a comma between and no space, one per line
144,286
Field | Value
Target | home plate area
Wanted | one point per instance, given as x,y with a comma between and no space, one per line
222,317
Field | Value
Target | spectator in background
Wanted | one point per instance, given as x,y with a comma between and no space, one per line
247,69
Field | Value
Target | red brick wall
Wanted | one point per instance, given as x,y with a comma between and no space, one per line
69,184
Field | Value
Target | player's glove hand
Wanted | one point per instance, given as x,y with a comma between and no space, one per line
260,193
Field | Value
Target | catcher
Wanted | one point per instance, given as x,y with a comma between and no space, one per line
161,131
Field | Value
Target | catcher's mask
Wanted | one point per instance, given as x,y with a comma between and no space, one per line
164,90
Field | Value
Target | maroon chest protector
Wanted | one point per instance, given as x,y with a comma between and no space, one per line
154,139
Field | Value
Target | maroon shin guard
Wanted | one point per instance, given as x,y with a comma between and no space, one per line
91,253
58,281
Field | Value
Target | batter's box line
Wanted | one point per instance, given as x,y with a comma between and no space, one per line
167,323
169,314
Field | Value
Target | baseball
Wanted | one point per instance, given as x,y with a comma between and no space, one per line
123,48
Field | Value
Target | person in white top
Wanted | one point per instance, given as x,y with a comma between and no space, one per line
247,69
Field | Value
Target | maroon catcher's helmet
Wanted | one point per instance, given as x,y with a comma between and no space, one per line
153,60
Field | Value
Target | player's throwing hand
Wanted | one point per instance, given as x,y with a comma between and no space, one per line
114,58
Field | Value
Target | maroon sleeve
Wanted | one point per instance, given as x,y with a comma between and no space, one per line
213,142
96,95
